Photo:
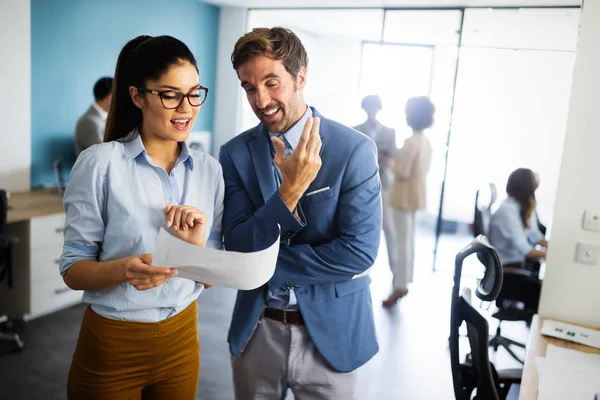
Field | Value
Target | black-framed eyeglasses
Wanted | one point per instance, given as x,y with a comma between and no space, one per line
172,99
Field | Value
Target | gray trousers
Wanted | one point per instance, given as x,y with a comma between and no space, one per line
389,229
281,356
405,248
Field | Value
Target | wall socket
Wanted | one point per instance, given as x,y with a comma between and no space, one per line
591,221
587,254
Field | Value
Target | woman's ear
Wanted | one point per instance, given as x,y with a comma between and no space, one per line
136,97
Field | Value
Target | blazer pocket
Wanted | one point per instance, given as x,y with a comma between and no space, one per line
352,286
317,197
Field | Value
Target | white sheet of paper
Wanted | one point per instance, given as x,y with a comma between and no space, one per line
569,374
245,271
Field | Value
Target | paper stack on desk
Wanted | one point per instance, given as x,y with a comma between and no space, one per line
569,374
245,271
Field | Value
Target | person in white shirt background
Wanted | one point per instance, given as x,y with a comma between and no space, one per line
385,140
90,126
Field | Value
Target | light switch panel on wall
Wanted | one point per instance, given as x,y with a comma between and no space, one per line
587,254
591,221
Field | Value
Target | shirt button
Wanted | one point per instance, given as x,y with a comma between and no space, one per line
169,282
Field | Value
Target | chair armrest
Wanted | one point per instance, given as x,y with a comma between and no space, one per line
534,259
512,375
9,238
518,272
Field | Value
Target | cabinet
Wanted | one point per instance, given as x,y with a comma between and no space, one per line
38,289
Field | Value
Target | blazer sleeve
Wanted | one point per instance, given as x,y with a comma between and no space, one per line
89,132
390,143
359,225
246,229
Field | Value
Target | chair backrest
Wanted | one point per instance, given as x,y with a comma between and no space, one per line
483,376
483,209
540,226
478,373
4,259
58,174
3,208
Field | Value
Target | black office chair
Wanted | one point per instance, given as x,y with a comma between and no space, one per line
477,373
518,300
541,226
534,264
59,171
6,242
484,200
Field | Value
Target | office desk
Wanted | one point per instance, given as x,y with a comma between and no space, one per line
536,346
23,206
37,218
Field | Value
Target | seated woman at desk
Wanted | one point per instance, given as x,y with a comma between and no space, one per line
139,335
514,229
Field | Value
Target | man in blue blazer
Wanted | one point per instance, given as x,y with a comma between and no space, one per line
315,183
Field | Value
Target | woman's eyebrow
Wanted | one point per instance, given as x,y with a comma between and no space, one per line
176,88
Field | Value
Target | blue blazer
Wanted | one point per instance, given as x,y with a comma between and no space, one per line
337,239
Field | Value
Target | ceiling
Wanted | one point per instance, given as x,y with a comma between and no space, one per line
389,3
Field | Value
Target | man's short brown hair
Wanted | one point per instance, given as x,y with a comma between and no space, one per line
276,43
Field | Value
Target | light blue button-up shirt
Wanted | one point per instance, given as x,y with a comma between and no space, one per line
114,204
285,298
508,235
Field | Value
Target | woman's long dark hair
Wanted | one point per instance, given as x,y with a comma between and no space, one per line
521,186
143,58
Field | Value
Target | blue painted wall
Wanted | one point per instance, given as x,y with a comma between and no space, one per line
74,42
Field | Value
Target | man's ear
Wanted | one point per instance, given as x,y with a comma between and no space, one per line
136,97
301,79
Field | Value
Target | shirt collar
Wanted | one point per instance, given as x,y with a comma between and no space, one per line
186,155
293,134
102,113
134,147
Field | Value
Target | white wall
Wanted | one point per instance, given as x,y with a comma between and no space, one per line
232,25
334,78
510,111
15,104
571,291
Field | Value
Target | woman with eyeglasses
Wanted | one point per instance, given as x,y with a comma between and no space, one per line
139,335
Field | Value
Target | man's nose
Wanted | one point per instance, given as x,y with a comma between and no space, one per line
262,99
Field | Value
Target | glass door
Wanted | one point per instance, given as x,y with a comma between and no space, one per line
395,73
425,43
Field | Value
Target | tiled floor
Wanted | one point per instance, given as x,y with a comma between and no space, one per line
413,362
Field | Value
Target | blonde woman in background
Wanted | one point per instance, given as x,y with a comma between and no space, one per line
409,191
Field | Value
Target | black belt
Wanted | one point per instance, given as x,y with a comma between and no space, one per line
292,317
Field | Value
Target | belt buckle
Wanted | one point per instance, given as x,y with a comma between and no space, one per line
284,317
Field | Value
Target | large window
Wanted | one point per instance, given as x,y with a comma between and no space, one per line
500,80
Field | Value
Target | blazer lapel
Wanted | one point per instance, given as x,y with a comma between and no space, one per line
322,129
260,153
323,134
